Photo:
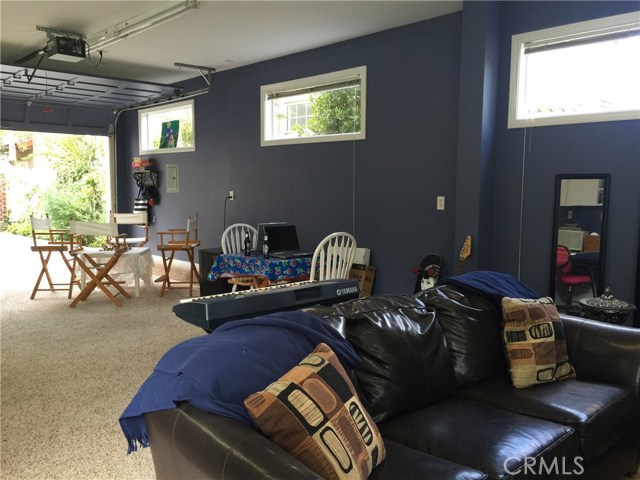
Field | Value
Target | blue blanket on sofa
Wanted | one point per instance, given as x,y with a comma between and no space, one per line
492,285
216,372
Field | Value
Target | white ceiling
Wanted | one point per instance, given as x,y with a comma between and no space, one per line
219,34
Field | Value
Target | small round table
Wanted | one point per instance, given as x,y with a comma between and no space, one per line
606,308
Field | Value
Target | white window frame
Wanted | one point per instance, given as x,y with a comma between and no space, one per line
145,135
296,104
326,79
564,33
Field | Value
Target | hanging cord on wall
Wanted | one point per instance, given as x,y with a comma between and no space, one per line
526,148
353,193
224,216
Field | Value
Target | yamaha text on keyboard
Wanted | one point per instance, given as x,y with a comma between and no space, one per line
212,311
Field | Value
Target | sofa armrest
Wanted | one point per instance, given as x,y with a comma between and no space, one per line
187,442
603,352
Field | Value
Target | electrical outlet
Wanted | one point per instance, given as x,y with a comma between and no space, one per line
440,203
232,195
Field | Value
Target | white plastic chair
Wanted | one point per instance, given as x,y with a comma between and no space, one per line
333,257
233,237
233,242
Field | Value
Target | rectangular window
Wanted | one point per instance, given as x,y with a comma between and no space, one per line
167,128
578,73
298,115
323,108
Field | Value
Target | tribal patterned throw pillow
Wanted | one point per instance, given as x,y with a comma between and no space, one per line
534,342
313,413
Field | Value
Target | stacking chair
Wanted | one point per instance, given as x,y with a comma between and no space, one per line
139,219
568,277
233,242
91,259
333,257
179,240
46,241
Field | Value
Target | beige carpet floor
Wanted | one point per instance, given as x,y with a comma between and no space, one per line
68,373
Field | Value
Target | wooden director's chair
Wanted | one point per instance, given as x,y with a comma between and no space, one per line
179,240
138,220
90,259
46,241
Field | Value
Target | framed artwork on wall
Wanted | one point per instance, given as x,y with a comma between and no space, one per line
167,128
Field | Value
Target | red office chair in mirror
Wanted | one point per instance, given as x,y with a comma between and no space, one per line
569,278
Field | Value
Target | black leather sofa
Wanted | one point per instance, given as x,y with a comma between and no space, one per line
435,380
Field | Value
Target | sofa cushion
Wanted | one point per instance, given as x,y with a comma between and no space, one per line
534,342
406,463
600,413
486,438
472,327
313,413
405,363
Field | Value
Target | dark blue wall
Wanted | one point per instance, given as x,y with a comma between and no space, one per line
608,147
476,132
436,125
382,189
436,119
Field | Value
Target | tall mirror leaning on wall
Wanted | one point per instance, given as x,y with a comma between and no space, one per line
579,239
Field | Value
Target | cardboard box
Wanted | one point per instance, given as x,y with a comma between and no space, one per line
365,276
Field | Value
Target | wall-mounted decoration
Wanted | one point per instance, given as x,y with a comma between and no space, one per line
146,178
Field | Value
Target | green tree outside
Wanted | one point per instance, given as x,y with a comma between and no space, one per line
66,179
333,112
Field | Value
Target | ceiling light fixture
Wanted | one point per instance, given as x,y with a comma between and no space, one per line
119,32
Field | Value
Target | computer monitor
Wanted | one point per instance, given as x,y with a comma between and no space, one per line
282,238
261,232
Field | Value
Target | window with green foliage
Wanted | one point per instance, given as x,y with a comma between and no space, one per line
63,176
167,128
323,108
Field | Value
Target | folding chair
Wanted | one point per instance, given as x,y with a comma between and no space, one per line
46,241
97,270
138,219
179,240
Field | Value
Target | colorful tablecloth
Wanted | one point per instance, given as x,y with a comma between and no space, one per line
275,269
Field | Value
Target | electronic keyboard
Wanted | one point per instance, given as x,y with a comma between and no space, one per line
212,311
